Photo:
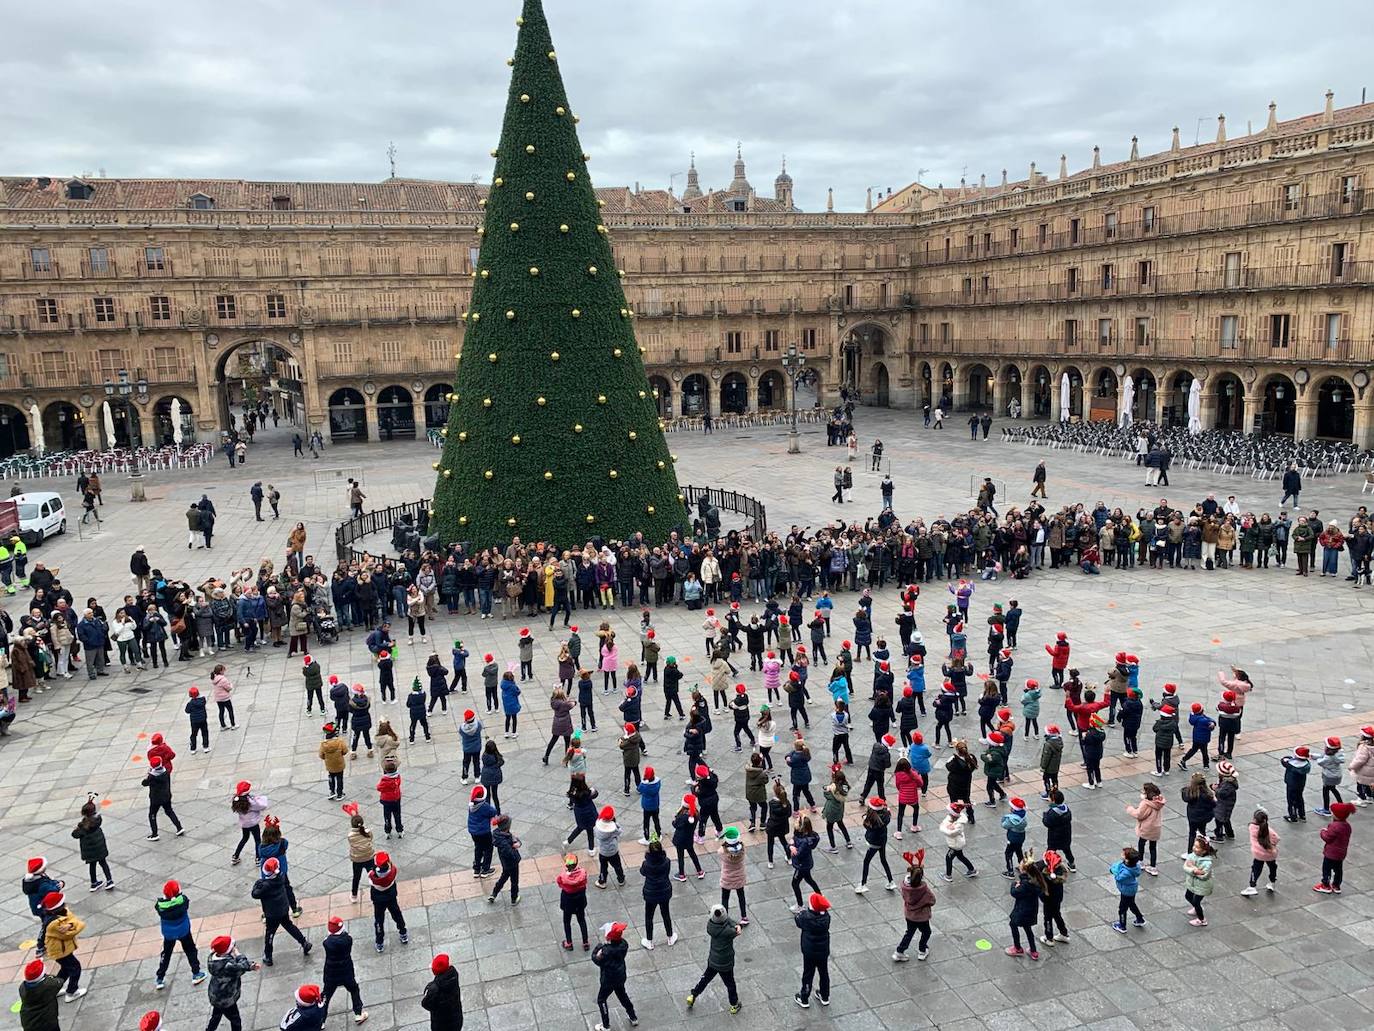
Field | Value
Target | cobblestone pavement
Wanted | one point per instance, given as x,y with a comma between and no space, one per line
1292,959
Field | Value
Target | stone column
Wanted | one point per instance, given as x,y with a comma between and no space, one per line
1364,420
958,394
751,394
1054,402
713,397
1254,404
1305,418
418,407
370,411
1207,409
147,426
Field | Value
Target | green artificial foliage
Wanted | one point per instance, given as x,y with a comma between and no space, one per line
551,379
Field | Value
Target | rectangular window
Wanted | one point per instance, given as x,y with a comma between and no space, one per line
202,203
1071,280
343,351
1230,325
41,259
849,295
109,361
386,302
1142,332
946,334
1109,225
1338,259
987,243
104,309
99,260
219,261
165,363
1350,186
1042,233
154,259
1075,228
1145,272
439,352
770,340
968,246
734,342
276,306
47,311
1147,218
1279,326
1070,332
1104,332
389,350
946,248
968,286
338,305
53,364
1231,276
160,308
1333,331
985,284
1015,237
808,338
226,307
1108,276
923,334
1292,196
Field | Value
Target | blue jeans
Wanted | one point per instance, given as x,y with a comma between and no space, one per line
484,600
1331,561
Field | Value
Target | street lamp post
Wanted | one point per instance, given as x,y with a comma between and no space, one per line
795,364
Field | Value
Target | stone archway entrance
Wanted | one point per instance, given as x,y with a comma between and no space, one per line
1280,411
347,415
1336,409
14,431
257,370
881,385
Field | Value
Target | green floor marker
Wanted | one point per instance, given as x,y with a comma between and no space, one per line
982,944
18,1004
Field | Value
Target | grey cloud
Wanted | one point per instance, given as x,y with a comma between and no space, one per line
859,95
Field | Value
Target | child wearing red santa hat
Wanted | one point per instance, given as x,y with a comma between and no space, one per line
1335,846
609,958
814,923
877,816
338,967
309,1011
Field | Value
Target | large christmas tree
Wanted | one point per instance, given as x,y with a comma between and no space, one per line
553,431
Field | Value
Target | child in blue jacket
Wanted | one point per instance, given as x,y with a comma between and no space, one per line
649,789
200,720
480,814
1014,823
460,667
1202,725
916,680
1295,770
415,705
1126,872
510,703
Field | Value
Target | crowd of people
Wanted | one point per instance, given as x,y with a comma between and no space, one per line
787,602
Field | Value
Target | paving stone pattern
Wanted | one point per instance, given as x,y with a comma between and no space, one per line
1294,959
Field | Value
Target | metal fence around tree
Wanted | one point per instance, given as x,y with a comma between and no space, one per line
381,520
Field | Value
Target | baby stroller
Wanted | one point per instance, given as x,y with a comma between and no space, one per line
326,626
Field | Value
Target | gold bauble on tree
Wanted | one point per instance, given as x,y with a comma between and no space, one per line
515,439
487,475
541,401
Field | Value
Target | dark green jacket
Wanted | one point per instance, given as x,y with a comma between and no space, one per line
721,931
38,1011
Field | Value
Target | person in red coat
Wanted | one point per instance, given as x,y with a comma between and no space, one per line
1336,843
160,748
1059,657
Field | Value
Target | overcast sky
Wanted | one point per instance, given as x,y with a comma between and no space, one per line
856,93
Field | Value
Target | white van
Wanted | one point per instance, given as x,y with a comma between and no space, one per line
40,516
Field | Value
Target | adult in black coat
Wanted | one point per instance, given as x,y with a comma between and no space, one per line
443,997
338,967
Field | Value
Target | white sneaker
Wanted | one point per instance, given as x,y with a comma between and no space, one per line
647,944
1251,890
73,996
900,957
897,835
672,938
1271,886
861,889
361,1017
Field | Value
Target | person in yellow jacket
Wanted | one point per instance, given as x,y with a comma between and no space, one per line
21,562
334,752
60,931
6,568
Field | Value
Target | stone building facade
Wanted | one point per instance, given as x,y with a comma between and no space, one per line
1243,263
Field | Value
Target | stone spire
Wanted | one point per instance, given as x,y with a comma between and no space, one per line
782,186
1063,166
693,190
1329,114
868,203
739,184
1004,178
1173,143
982,181
1033,174
1135,148
1221,128
830,198
1097,158
1273,123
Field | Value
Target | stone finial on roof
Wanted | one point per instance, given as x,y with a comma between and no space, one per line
1273,122
1173,143
1032,174
1097,158
740,184
1329,114
983,181
1135,148
4,198
1004,177
1221,128
1063,166
868,204
830,198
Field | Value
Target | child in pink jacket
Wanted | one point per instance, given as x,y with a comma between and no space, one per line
1264,850
772,677
222,691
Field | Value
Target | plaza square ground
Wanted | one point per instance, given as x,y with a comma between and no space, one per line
1292,960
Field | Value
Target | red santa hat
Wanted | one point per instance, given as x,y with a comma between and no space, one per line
1167,710
1367,732
875,803
271,865
783,620
884,665
573,628
710,612
955,808
350,808
800,649
740,689
996,738
1342,810
734,605
221,945
335,924
629,729
307,659
333,678
771,655
650,634
630,692
889,740
155,761
614,932
959,627
907,692
157,739
846,645
1005,653
648,773
54,900
1302,751
917,738
1132,660
193,691
477,793
1032,684
1053,728
702,770
171,889
1004,714
468,714
1228,696
1196,707
916,660
1121,658
1171,689
33,970
439,964
359,689
37,864
382,860
1333,742
308,995
818,902
150,1021
1016,802
607,813
1052,860
1061,636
